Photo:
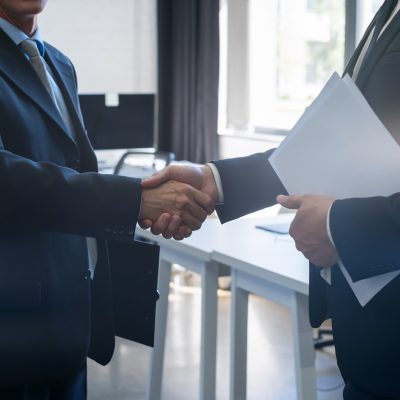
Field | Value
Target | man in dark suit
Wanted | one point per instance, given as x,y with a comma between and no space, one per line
365,233
52,314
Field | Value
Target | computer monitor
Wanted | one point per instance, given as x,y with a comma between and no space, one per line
124,121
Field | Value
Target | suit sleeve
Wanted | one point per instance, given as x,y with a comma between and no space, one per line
45,196
249,184
366,233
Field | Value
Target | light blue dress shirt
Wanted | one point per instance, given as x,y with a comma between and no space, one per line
17,36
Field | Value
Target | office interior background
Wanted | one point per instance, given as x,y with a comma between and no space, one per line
266,60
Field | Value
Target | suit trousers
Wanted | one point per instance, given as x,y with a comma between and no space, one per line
351,392
73,388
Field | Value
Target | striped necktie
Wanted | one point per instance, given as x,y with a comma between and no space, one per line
381,20
30,48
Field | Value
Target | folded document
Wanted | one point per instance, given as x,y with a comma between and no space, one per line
340,148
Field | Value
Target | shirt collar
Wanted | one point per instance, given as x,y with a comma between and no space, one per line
17,36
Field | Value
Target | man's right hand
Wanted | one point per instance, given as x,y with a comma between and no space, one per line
199,177
179,201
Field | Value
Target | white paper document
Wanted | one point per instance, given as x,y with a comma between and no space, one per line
340,148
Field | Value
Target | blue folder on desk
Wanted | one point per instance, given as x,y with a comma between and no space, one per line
282,227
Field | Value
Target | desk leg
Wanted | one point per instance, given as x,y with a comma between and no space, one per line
238,364
209,286
157,354
303,349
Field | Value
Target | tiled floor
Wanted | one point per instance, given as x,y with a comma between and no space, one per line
270,355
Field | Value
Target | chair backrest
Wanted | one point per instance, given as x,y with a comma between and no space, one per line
138,164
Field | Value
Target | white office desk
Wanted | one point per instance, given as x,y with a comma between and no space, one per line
194,254
262,263
268,265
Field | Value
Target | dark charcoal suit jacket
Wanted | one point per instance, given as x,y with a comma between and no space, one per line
365,231
51,198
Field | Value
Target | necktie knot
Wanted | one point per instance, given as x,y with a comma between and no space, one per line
29,46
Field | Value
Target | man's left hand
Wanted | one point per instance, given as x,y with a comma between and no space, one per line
309,228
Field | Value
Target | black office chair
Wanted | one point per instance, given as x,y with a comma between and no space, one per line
141,164
321,341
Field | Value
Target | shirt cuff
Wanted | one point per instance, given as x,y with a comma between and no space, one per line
328,226
326,273
218,182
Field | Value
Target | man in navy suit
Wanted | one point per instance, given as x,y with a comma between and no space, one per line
363,234
52,313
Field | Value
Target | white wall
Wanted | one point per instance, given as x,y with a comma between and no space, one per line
112,43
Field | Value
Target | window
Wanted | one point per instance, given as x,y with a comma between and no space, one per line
309,39
366,9
276,55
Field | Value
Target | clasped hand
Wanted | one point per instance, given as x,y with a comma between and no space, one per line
177,200
309,228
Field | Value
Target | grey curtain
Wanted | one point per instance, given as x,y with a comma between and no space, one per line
188,58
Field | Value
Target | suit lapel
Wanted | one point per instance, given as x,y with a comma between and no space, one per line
63,73
65,81
64,76
17,68
378,50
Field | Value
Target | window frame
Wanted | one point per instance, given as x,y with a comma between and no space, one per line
236,119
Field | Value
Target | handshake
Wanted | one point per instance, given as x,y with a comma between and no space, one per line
177,200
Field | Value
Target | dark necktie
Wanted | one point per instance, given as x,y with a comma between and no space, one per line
381,19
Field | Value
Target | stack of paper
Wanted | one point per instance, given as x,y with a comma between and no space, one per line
340,148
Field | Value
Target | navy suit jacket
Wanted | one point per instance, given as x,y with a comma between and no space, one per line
366,233
51,314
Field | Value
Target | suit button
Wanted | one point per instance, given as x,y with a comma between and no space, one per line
75,164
